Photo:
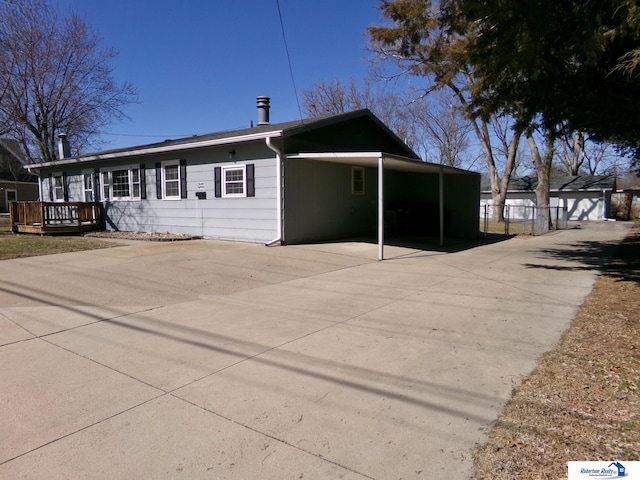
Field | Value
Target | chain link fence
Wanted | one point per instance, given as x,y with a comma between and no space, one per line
522,219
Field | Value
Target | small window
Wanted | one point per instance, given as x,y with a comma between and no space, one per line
87,181
171,180
234,181
105,186
357,180
58,187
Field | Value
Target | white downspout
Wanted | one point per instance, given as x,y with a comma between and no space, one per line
278,190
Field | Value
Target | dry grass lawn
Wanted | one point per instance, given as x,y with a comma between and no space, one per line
17,246
583,401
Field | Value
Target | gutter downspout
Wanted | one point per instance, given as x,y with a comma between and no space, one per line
279,202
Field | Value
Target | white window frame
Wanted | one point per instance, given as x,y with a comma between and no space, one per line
57,187
106,182
224,181
88,193
357,189
178,180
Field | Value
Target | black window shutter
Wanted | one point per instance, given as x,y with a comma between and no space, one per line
183,179
143,182
50,188
218,181
158,180
251,183
96,185
65,190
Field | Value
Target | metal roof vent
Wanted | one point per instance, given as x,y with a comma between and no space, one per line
64,148
263,110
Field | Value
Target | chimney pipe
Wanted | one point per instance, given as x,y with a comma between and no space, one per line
64,149
263,110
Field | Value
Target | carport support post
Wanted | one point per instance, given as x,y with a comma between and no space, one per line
381,208
441,194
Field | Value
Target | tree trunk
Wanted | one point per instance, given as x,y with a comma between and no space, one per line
626,206
543,169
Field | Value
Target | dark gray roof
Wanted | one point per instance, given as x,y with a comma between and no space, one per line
287,128
571,183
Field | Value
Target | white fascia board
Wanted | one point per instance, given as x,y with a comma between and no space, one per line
160,149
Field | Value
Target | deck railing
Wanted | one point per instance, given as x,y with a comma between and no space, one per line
56,217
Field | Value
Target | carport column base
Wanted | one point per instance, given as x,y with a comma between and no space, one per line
381,208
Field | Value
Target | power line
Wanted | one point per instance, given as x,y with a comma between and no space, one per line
286,47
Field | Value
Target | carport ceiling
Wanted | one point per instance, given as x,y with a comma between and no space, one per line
370,159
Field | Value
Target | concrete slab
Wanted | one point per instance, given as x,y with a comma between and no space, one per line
10,332
168,439
42,321
48,393
212,359
172,346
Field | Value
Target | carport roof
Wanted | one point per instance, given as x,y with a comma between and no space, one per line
370,159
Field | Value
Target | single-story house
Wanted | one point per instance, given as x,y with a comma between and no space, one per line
586,197
318,179
16,184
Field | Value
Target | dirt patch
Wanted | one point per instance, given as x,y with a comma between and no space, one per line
583,401
143,236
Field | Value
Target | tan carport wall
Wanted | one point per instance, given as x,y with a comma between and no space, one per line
383,162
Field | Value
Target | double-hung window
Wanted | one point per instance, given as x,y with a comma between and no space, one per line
121,183
171,180
87,186
234,181
58,187
357,180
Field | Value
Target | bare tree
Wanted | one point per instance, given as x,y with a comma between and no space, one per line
578,153
55,78
419,42
444,128
328,98
573,155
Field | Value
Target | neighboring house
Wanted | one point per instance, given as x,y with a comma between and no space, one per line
293,182
16,184
585,197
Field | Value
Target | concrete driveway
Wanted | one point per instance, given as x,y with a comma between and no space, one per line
218,360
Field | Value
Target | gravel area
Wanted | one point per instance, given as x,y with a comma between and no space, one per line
143,236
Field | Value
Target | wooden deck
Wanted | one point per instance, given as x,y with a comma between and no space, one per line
56,217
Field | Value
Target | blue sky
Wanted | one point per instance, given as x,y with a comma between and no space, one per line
198,65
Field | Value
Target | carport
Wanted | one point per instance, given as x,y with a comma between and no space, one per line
404,178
